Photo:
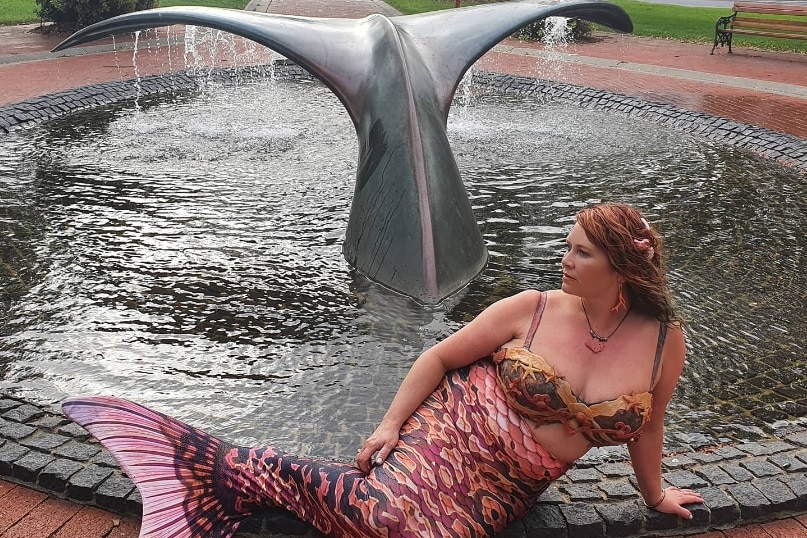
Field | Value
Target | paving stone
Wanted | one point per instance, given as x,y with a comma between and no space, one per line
799,438
684,479
112,494
75,450
656,521
621,519
134,503
723,510
787,462
551,496
781,497
714,475
752,502
15,431
736,472
23,413
105,459
44,442
83,484
761,468
6,404
778,446
581,492
50,422
615,470
545,520
583,475
700,517
9,453
706,457
756,449
91,522
618,489
676,462
582,521
55,476
798,485
28,467
74,430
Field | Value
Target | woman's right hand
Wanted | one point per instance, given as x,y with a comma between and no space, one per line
377,447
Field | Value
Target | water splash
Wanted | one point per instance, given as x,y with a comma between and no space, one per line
138,87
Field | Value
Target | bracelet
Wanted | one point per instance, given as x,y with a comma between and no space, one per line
658,502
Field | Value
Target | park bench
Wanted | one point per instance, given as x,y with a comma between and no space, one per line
739,23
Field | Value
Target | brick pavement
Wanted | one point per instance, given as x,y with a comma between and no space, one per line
763,89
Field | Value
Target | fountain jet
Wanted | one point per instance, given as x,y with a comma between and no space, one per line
411,226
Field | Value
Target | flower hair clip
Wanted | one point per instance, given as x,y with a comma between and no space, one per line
644,246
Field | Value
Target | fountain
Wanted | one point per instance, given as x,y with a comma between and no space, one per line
411,226
183,251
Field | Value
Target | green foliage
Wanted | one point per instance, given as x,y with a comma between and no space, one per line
80,13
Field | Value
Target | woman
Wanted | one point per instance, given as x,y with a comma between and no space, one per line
482,424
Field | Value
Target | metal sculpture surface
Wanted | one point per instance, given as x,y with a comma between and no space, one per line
411,226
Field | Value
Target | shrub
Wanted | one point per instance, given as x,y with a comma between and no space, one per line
577,30
80,13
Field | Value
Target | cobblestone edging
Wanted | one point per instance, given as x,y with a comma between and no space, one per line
787,149
741,483
47,107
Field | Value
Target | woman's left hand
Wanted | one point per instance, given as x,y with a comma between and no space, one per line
675,499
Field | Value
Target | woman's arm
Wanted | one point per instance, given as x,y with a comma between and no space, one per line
498,324
645,453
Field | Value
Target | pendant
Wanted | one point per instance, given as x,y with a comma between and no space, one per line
595,345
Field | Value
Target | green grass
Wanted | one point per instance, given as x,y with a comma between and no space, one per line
24,11
694,25
18,11
654,20
409,7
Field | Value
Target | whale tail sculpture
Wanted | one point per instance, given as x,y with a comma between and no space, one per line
411,226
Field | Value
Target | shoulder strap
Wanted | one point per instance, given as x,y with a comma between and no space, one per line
662,336
536,319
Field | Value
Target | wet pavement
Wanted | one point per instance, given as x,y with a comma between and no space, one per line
56,482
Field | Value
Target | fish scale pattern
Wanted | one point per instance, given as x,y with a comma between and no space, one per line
466,465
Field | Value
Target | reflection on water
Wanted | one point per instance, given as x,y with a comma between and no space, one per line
188,256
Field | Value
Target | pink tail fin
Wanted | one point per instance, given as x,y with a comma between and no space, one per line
172,464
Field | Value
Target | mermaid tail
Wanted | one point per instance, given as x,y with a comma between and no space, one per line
173,465
466,465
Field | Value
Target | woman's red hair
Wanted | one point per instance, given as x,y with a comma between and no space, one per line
619,230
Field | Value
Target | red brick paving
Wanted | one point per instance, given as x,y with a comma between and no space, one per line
26,513
682,79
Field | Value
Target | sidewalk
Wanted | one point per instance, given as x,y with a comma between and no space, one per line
759,88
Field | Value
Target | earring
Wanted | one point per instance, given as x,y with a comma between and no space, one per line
620,301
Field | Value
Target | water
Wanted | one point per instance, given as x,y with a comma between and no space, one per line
187,255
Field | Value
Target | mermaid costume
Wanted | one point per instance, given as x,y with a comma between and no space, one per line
466,463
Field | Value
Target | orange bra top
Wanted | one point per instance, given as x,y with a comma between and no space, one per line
534,389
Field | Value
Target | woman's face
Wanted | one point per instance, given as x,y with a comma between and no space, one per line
586,269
